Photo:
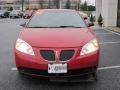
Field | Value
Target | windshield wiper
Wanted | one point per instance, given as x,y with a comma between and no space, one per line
56,27
70,26
38,27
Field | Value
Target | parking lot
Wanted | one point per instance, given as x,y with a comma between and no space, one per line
108,72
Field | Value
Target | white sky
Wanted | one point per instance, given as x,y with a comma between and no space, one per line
91,2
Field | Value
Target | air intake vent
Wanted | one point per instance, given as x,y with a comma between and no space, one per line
48,55
66,55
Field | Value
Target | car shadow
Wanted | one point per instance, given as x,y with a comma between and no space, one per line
57,81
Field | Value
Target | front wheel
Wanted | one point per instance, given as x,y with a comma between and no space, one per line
92,77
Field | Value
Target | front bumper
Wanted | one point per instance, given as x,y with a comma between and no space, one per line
35,65
44,73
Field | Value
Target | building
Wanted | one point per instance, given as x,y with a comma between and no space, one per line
6,4
35,4
74,4
110,10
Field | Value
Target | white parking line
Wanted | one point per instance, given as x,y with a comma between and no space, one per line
103,33
112,32
110,67
117,42
14,69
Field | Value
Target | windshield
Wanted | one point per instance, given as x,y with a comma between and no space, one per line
56,19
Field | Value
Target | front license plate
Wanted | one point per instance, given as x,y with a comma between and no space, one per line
57,68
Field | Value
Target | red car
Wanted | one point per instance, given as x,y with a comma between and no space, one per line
28,14
57,43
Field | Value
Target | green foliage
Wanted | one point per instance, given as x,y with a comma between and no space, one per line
68,4
100,19
41,2
56,3
84,6
10,9
91,18
91,8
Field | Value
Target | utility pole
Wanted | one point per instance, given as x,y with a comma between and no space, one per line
0,4
22,5
79,2
60,4
49,4
28,4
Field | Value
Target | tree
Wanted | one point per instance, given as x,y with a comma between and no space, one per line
10,9
56,3
41,2
91,8
100,20
84,6
91,18
68,4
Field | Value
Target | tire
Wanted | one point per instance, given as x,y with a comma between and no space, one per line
22,75
92,77
11,17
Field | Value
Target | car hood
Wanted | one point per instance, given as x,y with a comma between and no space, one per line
56,37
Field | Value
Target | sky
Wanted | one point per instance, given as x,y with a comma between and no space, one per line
91,2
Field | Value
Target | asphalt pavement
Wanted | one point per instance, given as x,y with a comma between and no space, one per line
108,72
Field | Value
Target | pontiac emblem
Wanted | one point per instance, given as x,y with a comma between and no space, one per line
57,54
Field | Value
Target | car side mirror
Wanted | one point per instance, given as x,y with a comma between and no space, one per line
23,25
85,18
90,24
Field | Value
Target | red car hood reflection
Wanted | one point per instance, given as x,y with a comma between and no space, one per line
56,37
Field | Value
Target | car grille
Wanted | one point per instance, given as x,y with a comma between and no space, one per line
48,55
66,54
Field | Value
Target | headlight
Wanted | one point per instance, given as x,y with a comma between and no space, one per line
90,47
24,47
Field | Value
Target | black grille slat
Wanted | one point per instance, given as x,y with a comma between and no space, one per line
66,55
48,55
